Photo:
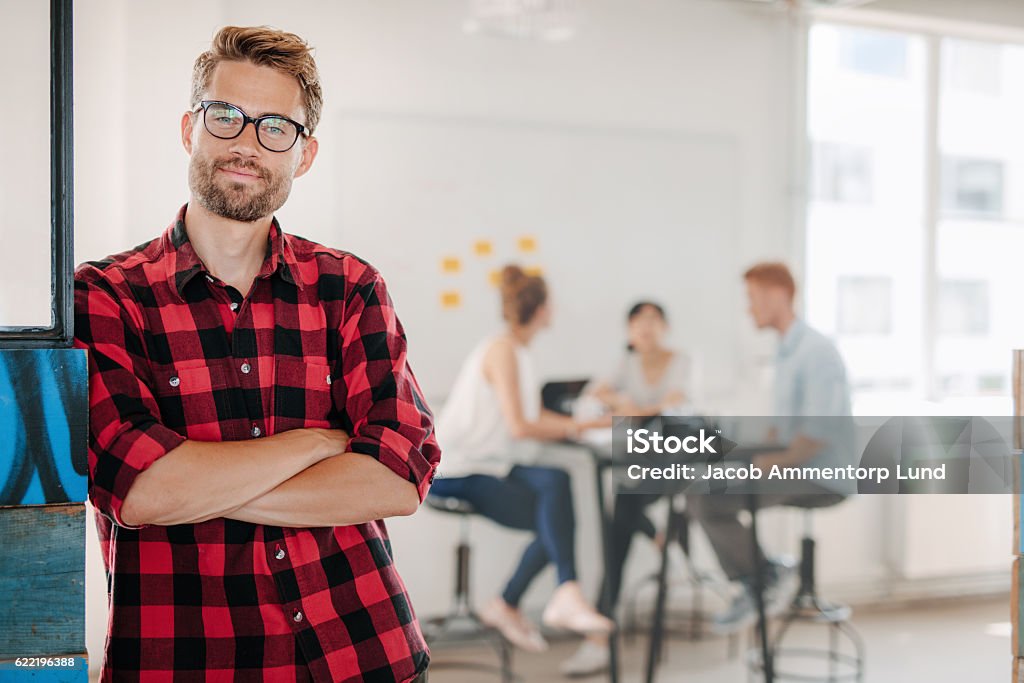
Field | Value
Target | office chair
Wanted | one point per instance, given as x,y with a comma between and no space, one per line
809,608
462,624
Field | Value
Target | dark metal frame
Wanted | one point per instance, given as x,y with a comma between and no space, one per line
300,130
61,332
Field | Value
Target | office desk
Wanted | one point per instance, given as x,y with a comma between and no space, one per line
740,454
598,444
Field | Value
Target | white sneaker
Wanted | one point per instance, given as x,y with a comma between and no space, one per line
568,610
739,614
511,623
588,660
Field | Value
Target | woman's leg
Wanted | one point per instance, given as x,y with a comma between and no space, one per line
510,503
556,535
554,515
629,518
532,563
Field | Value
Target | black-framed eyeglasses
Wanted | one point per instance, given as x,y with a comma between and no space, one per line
226,121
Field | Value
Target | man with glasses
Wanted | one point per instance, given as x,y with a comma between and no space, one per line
253,416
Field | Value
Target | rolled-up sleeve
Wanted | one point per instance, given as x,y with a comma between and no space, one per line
125,432
384,405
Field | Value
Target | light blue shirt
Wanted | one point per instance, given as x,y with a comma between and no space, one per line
812,396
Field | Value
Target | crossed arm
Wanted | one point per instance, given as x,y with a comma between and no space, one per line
143,473
299,478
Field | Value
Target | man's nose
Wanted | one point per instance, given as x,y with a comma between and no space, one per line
247,143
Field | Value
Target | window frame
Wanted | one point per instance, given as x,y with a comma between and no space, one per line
62,199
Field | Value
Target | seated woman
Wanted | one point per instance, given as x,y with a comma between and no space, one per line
488,431
650,380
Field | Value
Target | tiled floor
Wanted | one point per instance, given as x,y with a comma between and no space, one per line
953,642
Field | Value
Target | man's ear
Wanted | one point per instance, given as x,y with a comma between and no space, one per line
186,131
309,151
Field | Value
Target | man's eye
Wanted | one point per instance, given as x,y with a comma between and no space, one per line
276,127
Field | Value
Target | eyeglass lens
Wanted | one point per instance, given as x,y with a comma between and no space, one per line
273,132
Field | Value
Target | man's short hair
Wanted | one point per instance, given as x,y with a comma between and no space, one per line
772,273
263,46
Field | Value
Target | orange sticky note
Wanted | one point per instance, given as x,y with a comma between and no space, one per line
483,248
451,299
527,243
451,264
494,277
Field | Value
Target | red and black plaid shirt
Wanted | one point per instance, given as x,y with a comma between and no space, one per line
175,354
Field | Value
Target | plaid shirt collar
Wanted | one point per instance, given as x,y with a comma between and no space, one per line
185,264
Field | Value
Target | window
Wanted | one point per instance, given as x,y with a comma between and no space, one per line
865,305
973,186
919,285
842,173
36,196
963,307
972,67
875,53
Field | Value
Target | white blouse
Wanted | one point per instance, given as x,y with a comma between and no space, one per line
471,429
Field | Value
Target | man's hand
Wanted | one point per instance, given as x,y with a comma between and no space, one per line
333,441
765,461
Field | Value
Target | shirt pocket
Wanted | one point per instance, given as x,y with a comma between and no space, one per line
193,399
302,395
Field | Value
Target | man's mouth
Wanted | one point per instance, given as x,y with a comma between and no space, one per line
240,174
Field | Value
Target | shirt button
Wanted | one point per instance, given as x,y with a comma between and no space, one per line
280,553
234,306
297,616
174,381
246,368
256,431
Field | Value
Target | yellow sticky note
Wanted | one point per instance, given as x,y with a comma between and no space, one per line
451,264
494,277
527,243
534,271
451,299
483,248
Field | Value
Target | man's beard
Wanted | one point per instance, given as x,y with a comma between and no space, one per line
233,200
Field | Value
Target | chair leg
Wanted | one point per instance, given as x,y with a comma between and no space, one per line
808,607
461,612
654,650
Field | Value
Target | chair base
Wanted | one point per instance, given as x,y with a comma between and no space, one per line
463,626
688,623
794,663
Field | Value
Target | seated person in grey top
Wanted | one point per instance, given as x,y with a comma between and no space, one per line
651,379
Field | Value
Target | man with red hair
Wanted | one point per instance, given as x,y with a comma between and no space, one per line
810,383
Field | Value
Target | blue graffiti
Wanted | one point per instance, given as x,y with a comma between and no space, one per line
43,426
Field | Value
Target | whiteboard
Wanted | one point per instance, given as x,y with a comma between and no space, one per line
617,214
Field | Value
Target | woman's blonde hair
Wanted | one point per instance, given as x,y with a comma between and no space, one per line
521,294
263,46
